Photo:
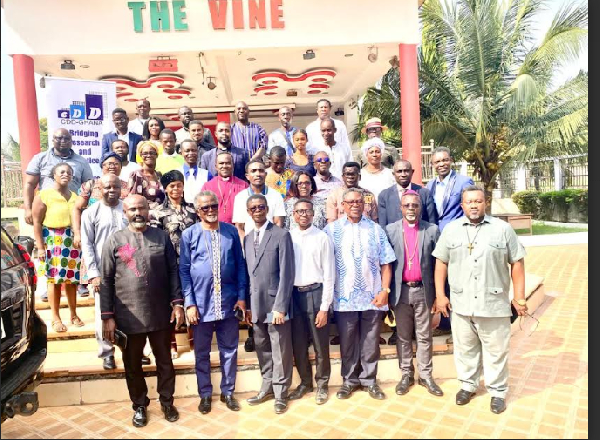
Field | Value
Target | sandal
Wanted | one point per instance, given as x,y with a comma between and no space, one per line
77,322
59,327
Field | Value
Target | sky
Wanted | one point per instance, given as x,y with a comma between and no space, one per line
7,96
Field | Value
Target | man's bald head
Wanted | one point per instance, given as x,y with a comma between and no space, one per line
137,212
111,189
110,178
135,199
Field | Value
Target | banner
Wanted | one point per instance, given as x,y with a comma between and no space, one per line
84,108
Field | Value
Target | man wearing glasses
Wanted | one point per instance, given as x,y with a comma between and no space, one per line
213,280
312,297
363,258
270,261
122,132
326,182
474,252
413,292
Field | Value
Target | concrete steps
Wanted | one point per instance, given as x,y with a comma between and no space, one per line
73,374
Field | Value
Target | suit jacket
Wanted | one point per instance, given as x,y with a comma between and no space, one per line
389,206
271,272
134,139
452,208
428,235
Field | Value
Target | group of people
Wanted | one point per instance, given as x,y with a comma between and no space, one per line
284,233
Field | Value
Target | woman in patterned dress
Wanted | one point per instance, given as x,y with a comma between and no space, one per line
303,186
173,216
60,261
146,182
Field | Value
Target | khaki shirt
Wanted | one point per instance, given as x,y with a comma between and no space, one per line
479,280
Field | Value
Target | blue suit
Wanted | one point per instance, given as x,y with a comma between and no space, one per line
197,282
452,208
109,138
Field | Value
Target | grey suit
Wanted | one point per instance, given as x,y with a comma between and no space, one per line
271,272
388,205
412,305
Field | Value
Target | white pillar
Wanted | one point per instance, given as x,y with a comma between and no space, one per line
558,177
464,168
521,178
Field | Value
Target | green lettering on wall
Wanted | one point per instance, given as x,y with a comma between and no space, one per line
179,15
136,8
159,16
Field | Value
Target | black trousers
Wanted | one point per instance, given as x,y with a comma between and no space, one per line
306,307
160,341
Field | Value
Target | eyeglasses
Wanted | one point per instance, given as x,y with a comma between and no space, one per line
304,183
257,208
411,205
353,202
304,212
535,324
111,164
62,138
322,159
207,208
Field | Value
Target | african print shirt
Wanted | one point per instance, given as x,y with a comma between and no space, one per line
173,221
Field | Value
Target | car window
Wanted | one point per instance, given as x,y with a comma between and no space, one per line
10,254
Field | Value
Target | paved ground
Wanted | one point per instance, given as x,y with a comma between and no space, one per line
548,399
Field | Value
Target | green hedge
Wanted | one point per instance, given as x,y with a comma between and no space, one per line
554,205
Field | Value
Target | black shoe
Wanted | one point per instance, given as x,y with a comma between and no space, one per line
382,341
140,417
335,340
463,397
345,392
170,412
231,402
376,392
405,383
497,405
322,395
261,397
281,406
249,345
146,360
205,405
393,339
431,386
299,392
109,363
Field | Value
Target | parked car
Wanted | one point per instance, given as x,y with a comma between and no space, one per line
24,338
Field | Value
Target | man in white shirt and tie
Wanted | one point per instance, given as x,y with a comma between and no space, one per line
312,296
315,140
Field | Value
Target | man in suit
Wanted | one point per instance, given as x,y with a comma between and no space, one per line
413,292
389,199
122,132
270,260
446,191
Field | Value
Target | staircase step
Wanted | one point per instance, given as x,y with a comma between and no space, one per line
87,301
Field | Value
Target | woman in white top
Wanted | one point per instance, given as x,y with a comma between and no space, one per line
374,176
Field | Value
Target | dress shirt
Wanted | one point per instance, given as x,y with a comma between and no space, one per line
240,212
260,232
99,222
194,179
360,251
315,138
314,261
440,190
411,240
137,126
324,187
479,279
284,140
339,154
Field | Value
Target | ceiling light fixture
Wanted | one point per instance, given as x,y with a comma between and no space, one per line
211,84
348,55
84,66
67,65
373,54
251,59
309,55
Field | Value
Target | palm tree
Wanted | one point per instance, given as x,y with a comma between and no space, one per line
486,88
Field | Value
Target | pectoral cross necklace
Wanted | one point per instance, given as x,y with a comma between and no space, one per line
471,246
408,256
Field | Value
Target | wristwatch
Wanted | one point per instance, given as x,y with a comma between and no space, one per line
522,302
178,305
387,289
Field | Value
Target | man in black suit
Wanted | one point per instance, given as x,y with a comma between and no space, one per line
270,260
413,292
389,199
389,205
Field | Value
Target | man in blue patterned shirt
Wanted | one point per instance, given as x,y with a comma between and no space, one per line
363,277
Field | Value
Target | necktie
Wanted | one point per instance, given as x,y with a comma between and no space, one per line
256,242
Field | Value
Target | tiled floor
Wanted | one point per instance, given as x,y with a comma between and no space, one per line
548,399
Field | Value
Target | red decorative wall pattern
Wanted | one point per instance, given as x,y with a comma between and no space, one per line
313,82
171,85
